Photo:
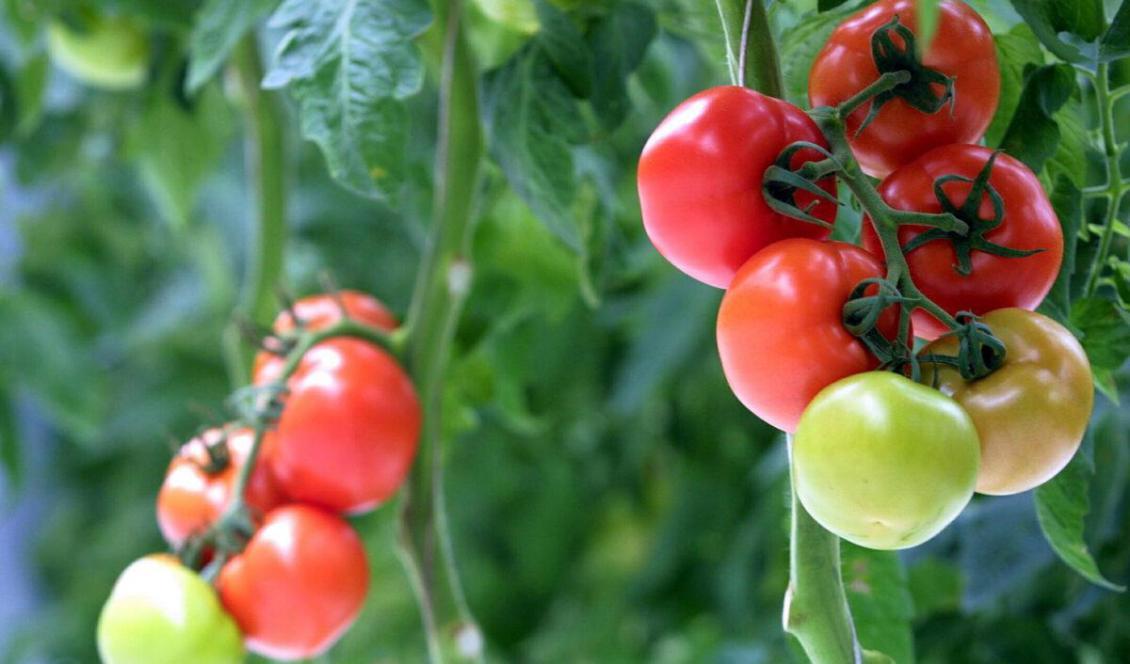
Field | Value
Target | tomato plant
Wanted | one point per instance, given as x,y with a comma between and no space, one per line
700,181
884,462
980,270
349,431
1030,413
298,585
961,49
160,612
199,482
785,304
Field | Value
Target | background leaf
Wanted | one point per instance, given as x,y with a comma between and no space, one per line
218,27
1065,27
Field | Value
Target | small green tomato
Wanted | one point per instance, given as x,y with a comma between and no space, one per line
110,53
884,462
160,612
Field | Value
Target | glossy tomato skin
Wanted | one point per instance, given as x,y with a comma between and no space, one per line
884,462
780,327
191,499
962,48
1032,412
349,428
995,282
700,179
298,585
160,612
317,312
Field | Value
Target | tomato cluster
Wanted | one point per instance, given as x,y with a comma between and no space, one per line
817,336
291,574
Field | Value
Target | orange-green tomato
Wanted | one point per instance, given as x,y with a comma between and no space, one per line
1031,413
884,462
110,53
160,612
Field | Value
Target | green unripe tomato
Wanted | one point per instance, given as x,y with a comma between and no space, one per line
884,462
160,612
111,53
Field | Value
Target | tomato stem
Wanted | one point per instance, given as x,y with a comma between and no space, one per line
1116,186
745,28
885,83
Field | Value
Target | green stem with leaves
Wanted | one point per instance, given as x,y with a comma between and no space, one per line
442,287
265,159
1115,186
752,58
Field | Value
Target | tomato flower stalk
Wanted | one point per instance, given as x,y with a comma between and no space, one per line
1115,186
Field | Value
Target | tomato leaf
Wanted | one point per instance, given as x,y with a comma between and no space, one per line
1062,504
532,119
176,149
218,27
881,605
1067,200
1068,28
565,46
825,5
798,48
11,453
1033,133
349,64
1115,43
1017,49
618,41
1105,331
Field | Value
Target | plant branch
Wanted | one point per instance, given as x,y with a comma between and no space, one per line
750,47
1115,187
442,287
265,159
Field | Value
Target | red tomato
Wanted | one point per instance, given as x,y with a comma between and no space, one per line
349,428
962,48
780,328
995,282
191,498
298,585
700,179
317,312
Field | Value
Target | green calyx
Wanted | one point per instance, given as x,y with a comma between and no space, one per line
979,352
969,212
781,183
920,91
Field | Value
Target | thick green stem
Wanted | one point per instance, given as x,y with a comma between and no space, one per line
1115,186
816,608
442,287
751,52
265,159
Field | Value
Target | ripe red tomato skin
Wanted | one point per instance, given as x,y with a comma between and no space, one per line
190,499
996,282
781,337
349,428
298,585
317,312
700,178
962,47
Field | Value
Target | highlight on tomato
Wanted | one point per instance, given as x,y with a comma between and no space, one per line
701,174
884,462
298,585
780,332
161,612
318,312
1012,253
200,480
921,114
1032,412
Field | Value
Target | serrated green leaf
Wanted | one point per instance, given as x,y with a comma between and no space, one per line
1070,156
1033,134
349,64
1067,28
1115,43
1104,381
618,42
881,605
176,148
1067,200
1062,504
566,48
531,119
217,28
1105,331
1016,49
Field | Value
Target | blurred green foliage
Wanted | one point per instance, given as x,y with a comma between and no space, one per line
610,498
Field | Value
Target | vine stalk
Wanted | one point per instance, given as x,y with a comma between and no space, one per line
1116,186
441,289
